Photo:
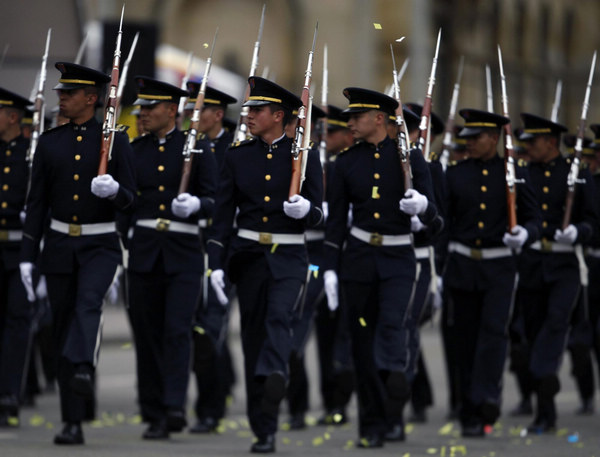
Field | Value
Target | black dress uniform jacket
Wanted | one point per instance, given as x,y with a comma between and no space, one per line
158,175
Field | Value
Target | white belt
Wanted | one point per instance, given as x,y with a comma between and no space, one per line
593,252
166,225
271,238
375,239
314,235
422,252
549,246
11,235
83,229
479,254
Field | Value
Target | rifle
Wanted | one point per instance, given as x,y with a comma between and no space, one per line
449,128
184,81
488,86
300,146
110,107
190,142
426,112
123,78
81,50
402,130
509,155
556,104
4,51
572,178
37,125
322,128
241,130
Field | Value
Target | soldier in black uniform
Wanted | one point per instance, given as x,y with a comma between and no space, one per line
212,358
15,309
481,269
333,338
165,256
267,258
81,248
377,268
549,270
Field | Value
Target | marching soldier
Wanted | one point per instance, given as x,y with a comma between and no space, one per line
481,269
81,247
212,358
165,256
267,258
15,310
377,268
549,269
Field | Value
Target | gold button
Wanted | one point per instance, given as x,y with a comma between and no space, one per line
161,188
76,177
161,168
6,170
4,205
74,218
376,155
267,198
547,173
8,152
376,176
545,189
544,224
161,148
484,172
480,224
483,189
75,197
477,242
162,207
482,206
269,156
79,138
5,187
268,177
376,215
265,218
77,157
545,206
2,221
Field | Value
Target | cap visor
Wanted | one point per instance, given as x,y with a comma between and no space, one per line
256,103
145,102
467,132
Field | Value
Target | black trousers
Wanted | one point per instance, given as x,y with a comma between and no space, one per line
266,307
161,310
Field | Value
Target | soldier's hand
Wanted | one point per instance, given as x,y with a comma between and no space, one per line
516,238
413,203
22,216
330,281
41,291
217,281
26,269
297,207
566,236
104,186
184,205
416,225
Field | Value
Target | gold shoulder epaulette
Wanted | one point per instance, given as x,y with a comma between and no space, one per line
521,163
201,136
236,144
54,129
433,156
453,163
121,128
138,138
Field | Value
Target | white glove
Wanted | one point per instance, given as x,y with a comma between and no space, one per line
330,281
325,208
297,207
516,238
104,186
41,291
566,236
413,203
416,225
22,216
184,205
217,281
437,296
27,279
113,291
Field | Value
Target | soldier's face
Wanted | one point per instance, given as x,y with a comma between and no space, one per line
74,103
482,146
209,118
261,120
363,125
338,139
157,117
4,120
540,148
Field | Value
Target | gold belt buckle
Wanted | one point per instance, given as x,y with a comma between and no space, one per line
162,225
476,254
546,245
265,238
376,239
74,230
3,235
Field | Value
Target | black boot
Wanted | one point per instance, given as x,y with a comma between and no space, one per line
264,445
71,434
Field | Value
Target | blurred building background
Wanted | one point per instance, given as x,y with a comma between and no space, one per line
542,41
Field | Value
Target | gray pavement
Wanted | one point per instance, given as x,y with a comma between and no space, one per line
117,430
